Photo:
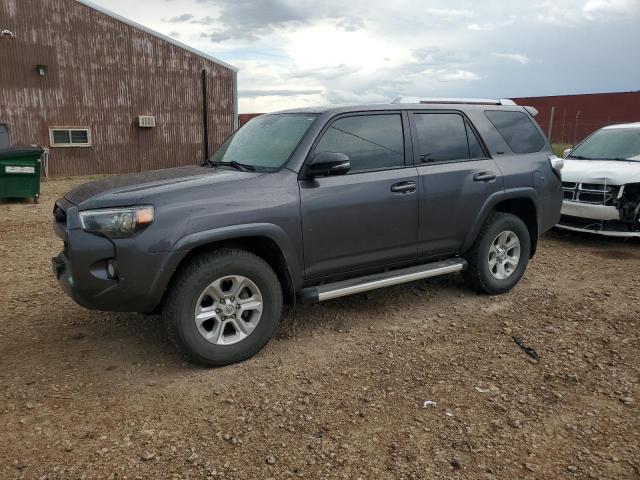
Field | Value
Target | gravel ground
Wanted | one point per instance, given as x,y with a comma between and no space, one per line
340,392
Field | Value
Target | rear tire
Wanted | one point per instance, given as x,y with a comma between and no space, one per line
222,307
498,258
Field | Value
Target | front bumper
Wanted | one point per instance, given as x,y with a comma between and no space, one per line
608,233
594,218
590,211
81,270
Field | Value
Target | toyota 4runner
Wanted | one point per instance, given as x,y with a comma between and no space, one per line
310,205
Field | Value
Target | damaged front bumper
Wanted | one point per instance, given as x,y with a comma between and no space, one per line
617,216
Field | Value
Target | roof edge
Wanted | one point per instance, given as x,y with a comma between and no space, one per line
577,94
159,35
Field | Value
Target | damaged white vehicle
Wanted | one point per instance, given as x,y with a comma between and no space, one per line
601,183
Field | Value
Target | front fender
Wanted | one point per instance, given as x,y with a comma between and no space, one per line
490,204
194,240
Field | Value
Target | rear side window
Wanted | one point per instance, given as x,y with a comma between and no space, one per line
445,137
372,142
518,130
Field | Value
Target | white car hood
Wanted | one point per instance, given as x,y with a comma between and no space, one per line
614,172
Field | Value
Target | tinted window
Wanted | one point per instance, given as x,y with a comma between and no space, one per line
372,142
518,131
79,136
475,149
61,136
442,137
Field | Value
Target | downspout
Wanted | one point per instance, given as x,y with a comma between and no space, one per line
205,115
235,101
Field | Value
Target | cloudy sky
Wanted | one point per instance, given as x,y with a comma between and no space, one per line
308,52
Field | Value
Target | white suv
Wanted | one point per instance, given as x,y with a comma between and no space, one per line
601,183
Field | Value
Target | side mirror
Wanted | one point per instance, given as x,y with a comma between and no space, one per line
566,153
328,163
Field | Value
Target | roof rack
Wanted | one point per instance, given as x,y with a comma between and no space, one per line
469,101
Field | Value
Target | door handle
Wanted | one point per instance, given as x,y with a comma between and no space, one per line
484,177
403,187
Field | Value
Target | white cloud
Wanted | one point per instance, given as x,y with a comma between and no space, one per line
303,52
601,9
444,75
514,57
449,12
571,13
480,28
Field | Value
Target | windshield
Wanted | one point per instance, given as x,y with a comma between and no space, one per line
265,142
610,144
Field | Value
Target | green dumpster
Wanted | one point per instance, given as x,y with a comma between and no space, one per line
20,172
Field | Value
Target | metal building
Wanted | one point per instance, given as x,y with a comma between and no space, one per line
105,94
577,116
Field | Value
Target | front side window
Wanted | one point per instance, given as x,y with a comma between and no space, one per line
265,142
70,137
445,137
372,142
610,144
518,130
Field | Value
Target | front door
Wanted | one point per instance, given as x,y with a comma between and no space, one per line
368,217
456,178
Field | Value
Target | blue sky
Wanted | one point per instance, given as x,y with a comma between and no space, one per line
306,52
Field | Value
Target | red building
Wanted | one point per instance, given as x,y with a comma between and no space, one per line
577,116
105,94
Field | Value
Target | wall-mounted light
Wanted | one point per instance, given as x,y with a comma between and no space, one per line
42,70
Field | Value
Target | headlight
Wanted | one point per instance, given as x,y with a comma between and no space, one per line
117,222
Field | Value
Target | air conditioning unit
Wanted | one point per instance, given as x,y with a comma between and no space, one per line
146,121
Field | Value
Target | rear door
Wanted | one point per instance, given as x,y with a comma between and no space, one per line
456,177
368,217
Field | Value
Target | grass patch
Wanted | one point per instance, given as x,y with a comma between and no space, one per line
559,148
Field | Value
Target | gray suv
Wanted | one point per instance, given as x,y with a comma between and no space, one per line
309,205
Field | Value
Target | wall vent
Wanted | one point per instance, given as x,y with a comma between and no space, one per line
146,121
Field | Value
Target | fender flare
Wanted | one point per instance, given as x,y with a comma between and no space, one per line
194,240
492,201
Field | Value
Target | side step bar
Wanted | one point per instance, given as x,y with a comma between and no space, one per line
379,280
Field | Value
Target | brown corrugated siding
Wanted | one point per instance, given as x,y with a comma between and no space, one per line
101,74
597,110
245,117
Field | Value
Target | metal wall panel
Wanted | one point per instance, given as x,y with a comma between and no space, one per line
577,116
102,73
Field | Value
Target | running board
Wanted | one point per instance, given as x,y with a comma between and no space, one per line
379,280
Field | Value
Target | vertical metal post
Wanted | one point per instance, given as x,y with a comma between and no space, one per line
235,101
553,114
205,115
575,128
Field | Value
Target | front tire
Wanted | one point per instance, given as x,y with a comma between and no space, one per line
499,256
223,307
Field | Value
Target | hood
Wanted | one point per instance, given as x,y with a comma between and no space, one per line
121,190
614,172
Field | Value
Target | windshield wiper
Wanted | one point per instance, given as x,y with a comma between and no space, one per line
243,167
580,157
621,159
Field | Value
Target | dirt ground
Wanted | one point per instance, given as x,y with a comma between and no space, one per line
340,392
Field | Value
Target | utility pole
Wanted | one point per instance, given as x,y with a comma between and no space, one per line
553,113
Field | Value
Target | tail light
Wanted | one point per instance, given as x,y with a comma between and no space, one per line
556,165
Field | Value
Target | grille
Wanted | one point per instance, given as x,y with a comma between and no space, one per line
594,193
